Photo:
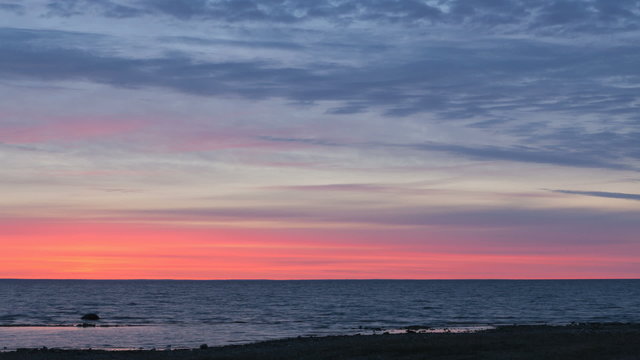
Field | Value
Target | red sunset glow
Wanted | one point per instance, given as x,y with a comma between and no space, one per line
44,249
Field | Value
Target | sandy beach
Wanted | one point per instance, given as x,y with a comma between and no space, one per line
581,341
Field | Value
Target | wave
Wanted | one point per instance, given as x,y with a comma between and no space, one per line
80,325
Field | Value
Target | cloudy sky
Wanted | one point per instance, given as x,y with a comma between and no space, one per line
320,139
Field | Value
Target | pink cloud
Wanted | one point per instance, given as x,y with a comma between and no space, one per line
68,130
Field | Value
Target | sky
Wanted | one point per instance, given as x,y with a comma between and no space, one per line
325,139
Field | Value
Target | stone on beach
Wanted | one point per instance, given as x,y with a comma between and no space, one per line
90,316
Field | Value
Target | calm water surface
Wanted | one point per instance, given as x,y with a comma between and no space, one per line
134,314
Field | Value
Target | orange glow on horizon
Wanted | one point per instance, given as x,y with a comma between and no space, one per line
41,249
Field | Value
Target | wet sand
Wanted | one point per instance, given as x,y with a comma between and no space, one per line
582,341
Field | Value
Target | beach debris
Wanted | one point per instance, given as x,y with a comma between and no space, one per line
204,347
414,329
90,316
418,327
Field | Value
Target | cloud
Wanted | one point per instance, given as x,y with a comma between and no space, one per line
13,7
250,79
528,155
287,12
556,16
582,224
604,194
284,45
455,82
517,81
397,189
305,141
517,153
589,15
66,130
360,97
342,187
107,8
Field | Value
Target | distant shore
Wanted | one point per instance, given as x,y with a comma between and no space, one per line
578,341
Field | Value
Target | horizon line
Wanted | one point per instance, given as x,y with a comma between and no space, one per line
329,279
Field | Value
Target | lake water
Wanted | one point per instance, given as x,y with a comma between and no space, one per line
158,314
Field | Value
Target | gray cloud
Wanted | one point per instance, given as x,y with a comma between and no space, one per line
239,43
249,79
529,155
13,7
604,194
404,216
341,187
486,82
452,81
557,16
306,141
107,8
282,11
589,15
356,187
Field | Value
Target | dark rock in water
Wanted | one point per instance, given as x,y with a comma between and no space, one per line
84,325
204,347
90,316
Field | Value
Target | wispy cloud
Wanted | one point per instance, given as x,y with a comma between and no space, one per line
604,194
412,216
68,129
230,42
516,153
355,188
340,187
528,155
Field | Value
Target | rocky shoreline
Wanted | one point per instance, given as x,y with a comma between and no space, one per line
576,341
